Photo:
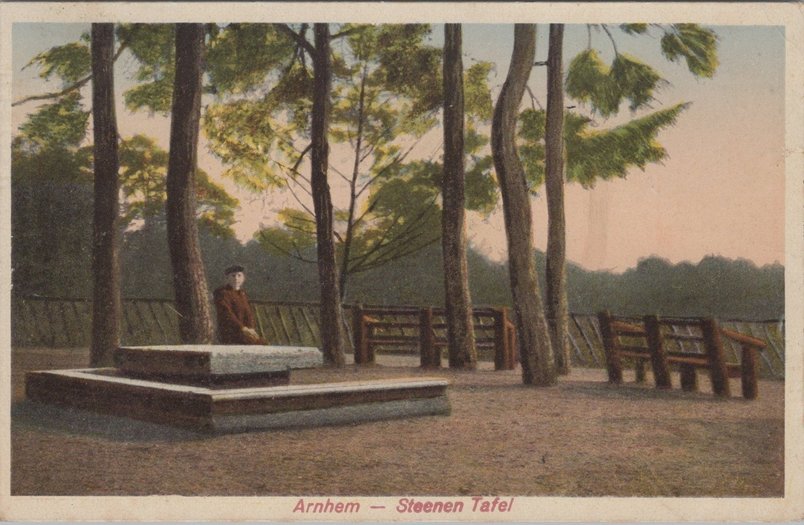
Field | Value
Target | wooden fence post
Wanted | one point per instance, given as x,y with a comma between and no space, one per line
658,357
430,355
359,334
639,370
614,365
717,360
502,359
748,371
689,377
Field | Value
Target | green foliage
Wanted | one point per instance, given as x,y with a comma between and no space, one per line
635,79
153,47
595,154
695,44
405,217
531,132
143,172
51,221
60,124
155,96
634,29
296,236
386,94
408,66
606,87
244,137
241,56
70,62
603,154
481,186
143,167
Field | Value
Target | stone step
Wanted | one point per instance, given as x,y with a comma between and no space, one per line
213,361
239,409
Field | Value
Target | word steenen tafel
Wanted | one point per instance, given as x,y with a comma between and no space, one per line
409,506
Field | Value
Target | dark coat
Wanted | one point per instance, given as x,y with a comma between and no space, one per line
234,313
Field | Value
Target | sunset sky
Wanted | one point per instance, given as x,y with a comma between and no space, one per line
721,191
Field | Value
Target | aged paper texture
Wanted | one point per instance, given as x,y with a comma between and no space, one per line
683,152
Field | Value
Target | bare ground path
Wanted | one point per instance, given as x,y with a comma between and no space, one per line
580,438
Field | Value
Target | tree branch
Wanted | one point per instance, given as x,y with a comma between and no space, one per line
533,100
295,172
299,229
409,229
396,160
72,87
613,43
293,193
345,32
300,40
301,157
283,250
395,256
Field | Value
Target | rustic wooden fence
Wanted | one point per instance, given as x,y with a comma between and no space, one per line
63,322
66,322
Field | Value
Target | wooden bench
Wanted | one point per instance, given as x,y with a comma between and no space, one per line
425,328
650,348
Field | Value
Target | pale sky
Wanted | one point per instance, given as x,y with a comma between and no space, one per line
721,191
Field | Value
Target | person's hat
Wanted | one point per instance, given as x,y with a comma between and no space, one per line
234,269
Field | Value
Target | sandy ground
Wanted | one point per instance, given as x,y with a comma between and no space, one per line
579,438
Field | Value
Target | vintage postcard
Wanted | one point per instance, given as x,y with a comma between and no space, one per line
401,261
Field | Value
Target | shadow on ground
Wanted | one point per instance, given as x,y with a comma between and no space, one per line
27,414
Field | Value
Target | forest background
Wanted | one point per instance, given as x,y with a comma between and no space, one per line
58,209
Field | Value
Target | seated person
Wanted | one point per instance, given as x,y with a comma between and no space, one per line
236,320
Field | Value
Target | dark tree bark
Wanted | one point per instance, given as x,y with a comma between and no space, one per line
106,305
556,271
331,315
458,302
189,277
533,338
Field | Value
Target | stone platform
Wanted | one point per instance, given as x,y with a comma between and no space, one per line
231,389
238,409
216,366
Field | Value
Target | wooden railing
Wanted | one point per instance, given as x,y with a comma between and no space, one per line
376,328
624,339
66,323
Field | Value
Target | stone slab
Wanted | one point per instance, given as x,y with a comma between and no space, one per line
214,360
218,381
238,409
340,415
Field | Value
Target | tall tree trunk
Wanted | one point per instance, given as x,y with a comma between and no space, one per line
106,306
460,330
331,316
189,277
556,271
535,352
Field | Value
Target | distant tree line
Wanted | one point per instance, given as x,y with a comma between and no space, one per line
51,247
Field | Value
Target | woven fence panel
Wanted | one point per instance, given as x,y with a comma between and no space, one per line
67,323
